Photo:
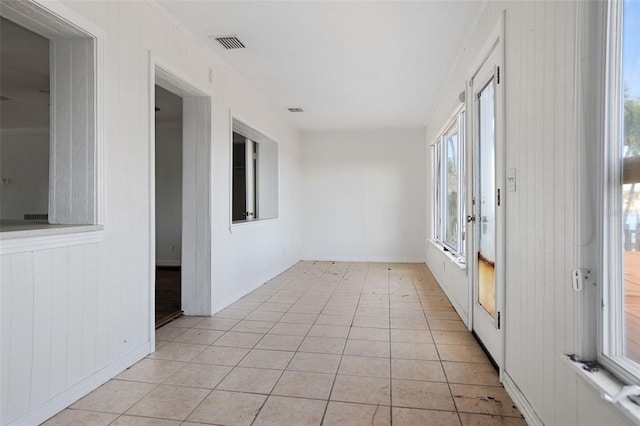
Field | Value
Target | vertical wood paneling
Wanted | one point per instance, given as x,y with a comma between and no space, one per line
21,333
42,315
59,324
6,298
74,315
89,308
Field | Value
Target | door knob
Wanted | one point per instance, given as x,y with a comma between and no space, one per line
471,218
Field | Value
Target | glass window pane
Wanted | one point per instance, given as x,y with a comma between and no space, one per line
451,186
631,179
438,186
487,201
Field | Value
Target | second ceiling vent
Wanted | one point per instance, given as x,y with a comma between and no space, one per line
230,42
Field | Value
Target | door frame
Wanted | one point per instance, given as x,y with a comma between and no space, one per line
496,40
196,283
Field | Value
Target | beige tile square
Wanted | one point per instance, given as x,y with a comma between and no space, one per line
233,313
199,336
407,314
299,318
290,329
185,322
166,334
413,416
425,351
280,342
373,312
409,324
445,315
367,348
254,380
365,366
330,319
314,362
325,345
264,316
245,305
169,402
299,308
411,336
150,371
416,369
278,411
115,396
228,408
320,330
214,323
447,325
304,385
483,400
454,338
80,418
471,374
143,421
173,351
369,333
261,358
421,394
247,326
198,376
238,340
469,419
366,390
221,355
462,353
344,413
274,307
359,321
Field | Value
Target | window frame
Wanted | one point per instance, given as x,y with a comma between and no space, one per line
455,125
611,333
65,25
240,127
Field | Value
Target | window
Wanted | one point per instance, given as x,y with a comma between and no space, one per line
49,121
254,181
448,166
620,346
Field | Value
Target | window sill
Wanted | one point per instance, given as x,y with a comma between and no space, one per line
458,260
20,237
607,386
247,225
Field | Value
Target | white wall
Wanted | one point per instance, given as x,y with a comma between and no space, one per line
168,196
74,316
539,76
24,160
363,195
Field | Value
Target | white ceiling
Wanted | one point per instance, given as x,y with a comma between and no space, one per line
349,65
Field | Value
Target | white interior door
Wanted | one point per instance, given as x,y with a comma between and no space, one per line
488,205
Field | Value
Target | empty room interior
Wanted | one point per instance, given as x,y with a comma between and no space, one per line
320,212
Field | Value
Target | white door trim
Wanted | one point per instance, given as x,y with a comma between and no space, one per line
196,199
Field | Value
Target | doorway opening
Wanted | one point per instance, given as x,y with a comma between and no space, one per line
180,217
168,164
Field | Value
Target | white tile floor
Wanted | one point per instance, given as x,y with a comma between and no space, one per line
322,343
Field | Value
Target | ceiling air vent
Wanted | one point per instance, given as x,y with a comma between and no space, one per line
230,42
296,110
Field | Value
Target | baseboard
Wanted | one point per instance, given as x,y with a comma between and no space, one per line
58,403
521,401
236,296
